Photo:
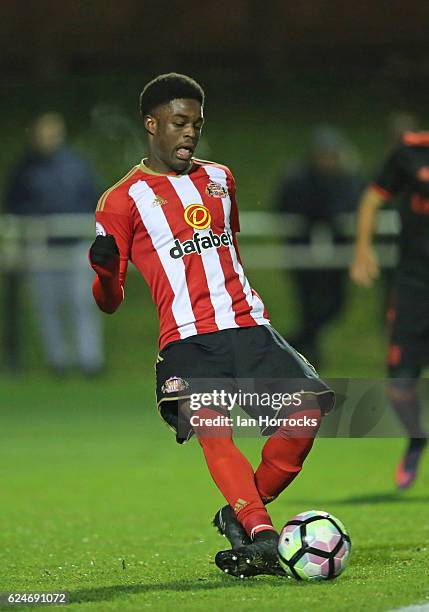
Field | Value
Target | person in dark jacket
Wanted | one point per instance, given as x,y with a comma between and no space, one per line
52,179
325,183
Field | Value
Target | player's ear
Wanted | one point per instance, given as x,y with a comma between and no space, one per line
150,124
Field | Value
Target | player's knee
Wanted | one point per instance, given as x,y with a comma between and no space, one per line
302,424
404,376
403,387
283,465
211,427
289,454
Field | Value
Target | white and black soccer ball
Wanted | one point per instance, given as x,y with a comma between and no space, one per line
314,545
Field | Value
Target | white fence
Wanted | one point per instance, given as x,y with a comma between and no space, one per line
265,240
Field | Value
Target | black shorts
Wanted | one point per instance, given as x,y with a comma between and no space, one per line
257,357
409,337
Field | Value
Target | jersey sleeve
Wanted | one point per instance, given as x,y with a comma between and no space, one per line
391,178
234,217
112,217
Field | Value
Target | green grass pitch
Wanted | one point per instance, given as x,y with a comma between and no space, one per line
98,500
95,496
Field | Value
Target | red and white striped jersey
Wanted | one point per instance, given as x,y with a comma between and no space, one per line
179,232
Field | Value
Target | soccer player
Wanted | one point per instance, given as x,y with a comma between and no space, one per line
175,217
405,174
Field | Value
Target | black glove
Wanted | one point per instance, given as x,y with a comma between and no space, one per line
104,252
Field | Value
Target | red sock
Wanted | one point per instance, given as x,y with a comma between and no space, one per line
232,473
283,455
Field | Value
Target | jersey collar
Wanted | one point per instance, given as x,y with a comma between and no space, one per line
148,170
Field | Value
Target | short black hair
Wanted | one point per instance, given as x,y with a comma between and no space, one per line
167,87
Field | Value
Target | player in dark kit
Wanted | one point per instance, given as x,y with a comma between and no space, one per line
176,218
405,174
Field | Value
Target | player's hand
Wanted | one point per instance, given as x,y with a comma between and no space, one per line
104,255
364,269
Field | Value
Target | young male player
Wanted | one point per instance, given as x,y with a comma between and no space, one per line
175,217
404,174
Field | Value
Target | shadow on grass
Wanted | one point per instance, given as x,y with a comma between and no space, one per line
110,592
391,497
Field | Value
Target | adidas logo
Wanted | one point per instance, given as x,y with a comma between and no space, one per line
240,504
158,201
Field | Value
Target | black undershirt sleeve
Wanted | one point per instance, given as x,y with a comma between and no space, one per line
390,181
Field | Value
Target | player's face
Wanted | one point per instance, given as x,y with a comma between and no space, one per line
174,131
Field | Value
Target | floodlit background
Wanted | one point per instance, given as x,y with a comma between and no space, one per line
87,465
271,74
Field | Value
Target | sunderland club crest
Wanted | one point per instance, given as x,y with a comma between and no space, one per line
174,385
216,191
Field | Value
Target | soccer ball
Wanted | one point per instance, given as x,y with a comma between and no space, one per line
314,545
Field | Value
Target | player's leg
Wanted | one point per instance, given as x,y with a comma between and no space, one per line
178,368
282,459
231,471
278,367
234,477
406,403
284,453
262,354
408,351
403,393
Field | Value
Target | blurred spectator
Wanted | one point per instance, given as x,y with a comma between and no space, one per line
326,182
399,122
52,179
